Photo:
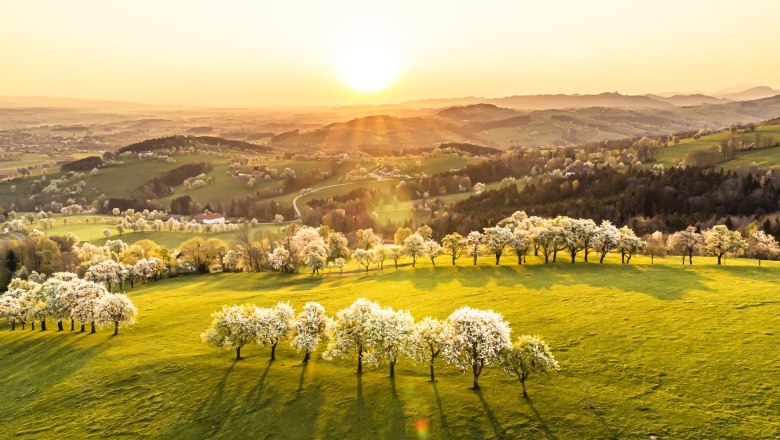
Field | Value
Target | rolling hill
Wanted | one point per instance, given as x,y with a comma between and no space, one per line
502,126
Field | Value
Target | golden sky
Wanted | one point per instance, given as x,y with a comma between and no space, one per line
262,52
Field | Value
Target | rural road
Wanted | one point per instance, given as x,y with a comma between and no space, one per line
377,179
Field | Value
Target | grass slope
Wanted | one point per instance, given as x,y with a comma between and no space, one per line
768,157
644,350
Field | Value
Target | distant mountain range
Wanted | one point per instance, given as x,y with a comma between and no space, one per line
613,99
497,126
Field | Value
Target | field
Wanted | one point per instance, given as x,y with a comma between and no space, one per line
645,351
769,157
90,227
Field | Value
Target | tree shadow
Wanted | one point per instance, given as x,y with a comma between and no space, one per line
498,430
304,367
659,281
549,434
397,425
362,413
214,411
443,424
33,368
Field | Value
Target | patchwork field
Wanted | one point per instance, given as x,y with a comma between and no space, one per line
646,351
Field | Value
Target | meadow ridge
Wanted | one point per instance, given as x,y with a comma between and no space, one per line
645,351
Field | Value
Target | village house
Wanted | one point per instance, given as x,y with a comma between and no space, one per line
209,218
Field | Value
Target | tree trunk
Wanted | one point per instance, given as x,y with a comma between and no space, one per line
59,326
392,369
92,327
433,378
525,392
396,264
555,255
573,256
628,259
453,260
586,254
683,260
360,359
498,259
273,351
690,259
43,325
414,260
519,259
476,372
82,328
759,262
601,260
238,353
546,258
72,325
622,257
116,328
475,257
22,325
306,357
652,259
13,325
719,260
433,263
33,325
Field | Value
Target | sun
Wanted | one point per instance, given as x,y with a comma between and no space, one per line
367,68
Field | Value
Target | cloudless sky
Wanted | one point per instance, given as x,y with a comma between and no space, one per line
254,53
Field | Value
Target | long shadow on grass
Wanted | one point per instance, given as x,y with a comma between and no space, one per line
213,413
33,366
299,414
660,281
443,424
498,430
397,428
543,425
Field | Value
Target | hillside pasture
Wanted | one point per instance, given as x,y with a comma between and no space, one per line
768,157
646,351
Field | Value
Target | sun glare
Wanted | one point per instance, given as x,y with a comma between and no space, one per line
367,68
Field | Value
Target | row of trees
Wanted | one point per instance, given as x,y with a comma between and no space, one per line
519,233
469,339
61,297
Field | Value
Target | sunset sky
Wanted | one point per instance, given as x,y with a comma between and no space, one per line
257,53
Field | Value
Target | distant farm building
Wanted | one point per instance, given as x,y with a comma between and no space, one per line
209,218
578,170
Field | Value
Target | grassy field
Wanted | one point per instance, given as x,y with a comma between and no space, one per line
769,157
645,351
89,227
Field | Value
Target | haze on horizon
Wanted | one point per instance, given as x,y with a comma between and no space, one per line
247,54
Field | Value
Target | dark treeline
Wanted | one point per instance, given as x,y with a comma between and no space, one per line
180,141
81,165
670,201
145,196
517,164
164,183
345,212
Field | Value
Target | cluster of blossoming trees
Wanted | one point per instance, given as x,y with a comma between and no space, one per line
469,339
520,233
63,296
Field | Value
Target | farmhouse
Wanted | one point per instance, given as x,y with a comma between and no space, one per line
209,218
576,170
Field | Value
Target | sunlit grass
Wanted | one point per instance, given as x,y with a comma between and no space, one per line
645,350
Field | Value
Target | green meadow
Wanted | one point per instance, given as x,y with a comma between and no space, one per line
766,157
646,351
